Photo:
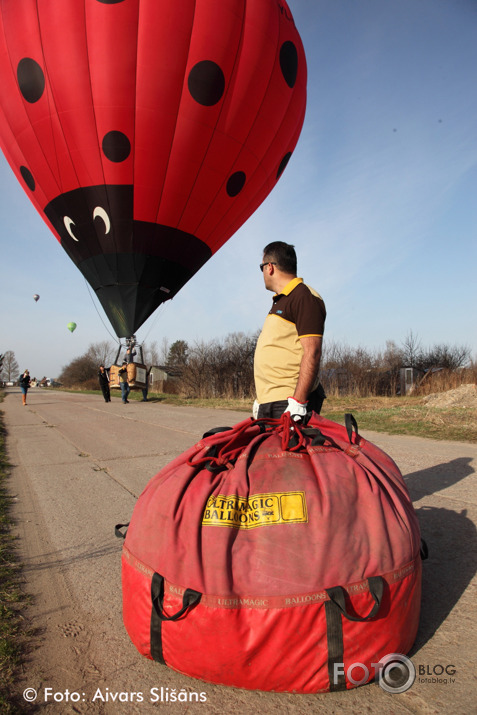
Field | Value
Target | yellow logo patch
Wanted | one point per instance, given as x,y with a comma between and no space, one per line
255,510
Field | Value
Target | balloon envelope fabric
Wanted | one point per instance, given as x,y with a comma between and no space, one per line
146,132
273,556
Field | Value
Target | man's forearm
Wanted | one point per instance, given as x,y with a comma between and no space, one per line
310,364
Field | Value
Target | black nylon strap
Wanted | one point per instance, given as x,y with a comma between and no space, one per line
334,635
424,550
335,609
350,422
376,589
157,593
118,532
190,599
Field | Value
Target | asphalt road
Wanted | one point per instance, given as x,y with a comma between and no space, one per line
78,467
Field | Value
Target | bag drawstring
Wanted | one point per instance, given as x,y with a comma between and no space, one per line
230,451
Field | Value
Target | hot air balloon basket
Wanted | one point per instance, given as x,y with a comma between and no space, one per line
137,376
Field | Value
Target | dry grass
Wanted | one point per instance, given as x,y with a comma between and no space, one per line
407,416
394,415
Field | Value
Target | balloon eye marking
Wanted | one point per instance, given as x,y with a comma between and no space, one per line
68,224
99,212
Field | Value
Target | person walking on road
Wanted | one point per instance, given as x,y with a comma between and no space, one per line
103,378
123,381
24,385
288,351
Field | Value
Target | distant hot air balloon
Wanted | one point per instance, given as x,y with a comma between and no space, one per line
36,297
71,327
146,132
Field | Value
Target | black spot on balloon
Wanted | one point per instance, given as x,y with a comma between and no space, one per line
206,83
110,2
28,178
116,146
283,164
289,62
236,183
31,79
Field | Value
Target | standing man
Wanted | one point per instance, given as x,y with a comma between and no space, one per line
288,352
123,381
103,378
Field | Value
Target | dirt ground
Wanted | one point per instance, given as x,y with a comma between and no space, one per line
463,396
78,467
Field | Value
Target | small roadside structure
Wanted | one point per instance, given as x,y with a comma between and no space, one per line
164,378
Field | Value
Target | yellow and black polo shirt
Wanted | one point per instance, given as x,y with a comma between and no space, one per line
297,312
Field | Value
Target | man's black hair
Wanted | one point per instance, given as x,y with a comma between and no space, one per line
283,254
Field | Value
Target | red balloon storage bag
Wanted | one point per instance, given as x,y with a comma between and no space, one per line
274,556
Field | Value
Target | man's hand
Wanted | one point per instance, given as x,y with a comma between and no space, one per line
296,409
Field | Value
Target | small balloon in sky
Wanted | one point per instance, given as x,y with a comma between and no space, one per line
36,297
71,327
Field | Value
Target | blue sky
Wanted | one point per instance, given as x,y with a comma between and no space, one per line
379,199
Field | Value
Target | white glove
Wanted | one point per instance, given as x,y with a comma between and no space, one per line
255,407
296,409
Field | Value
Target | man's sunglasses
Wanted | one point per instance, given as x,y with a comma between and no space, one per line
267,263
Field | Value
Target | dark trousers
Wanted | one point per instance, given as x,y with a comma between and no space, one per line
124,391
275,410
106,393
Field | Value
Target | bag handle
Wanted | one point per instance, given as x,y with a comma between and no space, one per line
190,599
350,422
376,589
118,532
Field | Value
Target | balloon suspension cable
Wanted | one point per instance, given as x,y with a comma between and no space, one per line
114,337
159,311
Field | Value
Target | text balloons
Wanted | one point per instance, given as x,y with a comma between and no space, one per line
147,131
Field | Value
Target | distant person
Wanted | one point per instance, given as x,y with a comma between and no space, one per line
103,378
146,389
24,385
123,381
288,351
130,353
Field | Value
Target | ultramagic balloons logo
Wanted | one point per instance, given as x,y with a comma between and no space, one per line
144,169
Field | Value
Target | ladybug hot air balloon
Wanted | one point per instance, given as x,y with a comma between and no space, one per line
146,132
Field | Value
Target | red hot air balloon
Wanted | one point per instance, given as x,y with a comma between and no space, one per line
146,132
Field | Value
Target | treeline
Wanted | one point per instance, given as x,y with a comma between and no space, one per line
363,372
224,368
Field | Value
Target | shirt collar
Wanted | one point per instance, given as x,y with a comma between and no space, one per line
290,286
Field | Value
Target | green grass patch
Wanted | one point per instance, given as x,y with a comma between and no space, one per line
12,598
407,416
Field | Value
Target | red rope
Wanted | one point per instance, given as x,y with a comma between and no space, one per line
229,451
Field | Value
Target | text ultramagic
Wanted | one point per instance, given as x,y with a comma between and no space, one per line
255,510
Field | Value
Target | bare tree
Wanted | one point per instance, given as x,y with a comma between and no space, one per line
102,353
10,369
445,356
150,353
163,351
79,371
412,350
